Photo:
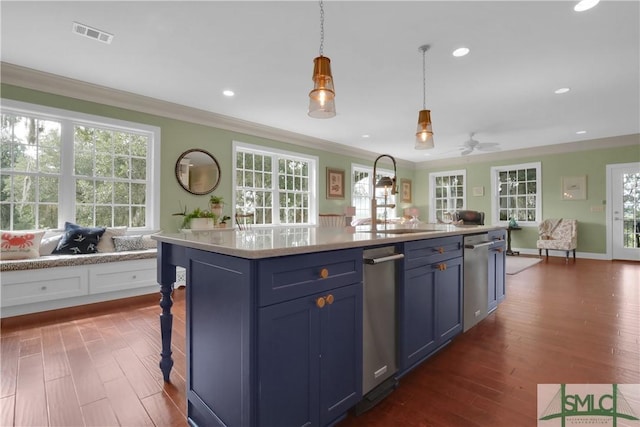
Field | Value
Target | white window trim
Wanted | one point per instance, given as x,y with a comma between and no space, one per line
432,190
65,211
368,169
495,197
313,180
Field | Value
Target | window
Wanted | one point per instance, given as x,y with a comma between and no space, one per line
362,189
58,166
517,193
448,194
278,188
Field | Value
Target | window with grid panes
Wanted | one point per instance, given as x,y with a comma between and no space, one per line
517,193
59,166
362,187
277,188
448,190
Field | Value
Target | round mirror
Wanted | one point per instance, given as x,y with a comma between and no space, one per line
198,171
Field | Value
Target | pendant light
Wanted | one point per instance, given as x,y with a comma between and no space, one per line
321,98
424,133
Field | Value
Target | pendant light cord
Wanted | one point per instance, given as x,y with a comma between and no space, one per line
424,80
321,27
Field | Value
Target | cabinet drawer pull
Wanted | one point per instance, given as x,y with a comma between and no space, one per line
320,302
324,273
441,250
442,267
43,288
329,299
499,250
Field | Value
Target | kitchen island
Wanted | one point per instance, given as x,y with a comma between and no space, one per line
274,316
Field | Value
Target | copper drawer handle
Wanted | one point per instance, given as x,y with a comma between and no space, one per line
320,302
329,299
441,250
442,267
324,273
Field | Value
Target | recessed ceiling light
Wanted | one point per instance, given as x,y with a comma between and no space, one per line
585,5
581,132
228,92
562,90
461,51
365,135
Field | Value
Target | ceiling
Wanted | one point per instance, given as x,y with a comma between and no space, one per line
503,90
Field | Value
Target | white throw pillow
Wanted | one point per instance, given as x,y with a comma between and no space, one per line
20,244
106,242
48,244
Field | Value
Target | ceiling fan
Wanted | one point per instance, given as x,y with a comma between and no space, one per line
474,145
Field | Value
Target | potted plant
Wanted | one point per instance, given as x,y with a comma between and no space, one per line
199,219
217,204
223,221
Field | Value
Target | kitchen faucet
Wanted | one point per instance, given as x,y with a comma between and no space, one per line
384,182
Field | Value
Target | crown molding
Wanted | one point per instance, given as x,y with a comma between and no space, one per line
569,147
29,78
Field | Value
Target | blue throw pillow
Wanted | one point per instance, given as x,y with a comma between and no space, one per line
79,240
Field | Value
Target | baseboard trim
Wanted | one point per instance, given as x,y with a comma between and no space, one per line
560,254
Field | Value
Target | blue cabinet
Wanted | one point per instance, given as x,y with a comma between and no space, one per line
273,342
430,298
310,358
497,259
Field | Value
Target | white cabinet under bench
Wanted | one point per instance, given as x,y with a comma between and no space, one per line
48,283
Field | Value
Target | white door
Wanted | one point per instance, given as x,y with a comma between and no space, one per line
624,210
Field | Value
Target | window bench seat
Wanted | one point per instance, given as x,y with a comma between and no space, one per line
59,281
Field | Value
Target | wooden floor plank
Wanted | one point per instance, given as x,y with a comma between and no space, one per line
163,411
64,408
9,353
31,400
7,410
99,414
56,364
126,405
141,380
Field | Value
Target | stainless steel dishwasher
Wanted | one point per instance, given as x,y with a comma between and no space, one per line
379,362
476,279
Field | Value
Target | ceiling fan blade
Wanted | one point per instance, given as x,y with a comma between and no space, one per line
467,151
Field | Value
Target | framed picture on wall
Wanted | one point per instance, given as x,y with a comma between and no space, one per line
405,190
574,187
335,183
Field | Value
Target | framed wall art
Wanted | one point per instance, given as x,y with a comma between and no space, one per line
574,187
335,183
405,190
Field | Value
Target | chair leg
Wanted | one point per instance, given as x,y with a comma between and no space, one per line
540,253
574,255
547,252
566,258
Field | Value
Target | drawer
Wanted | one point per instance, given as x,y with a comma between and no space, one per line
122,275
498,234
286,278
31,286
423,252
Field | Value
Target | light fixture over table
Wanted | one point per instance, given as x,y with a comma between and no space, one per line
321,98
424,133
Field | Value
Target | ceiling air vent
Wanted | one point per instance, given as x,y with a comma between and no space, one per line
92,33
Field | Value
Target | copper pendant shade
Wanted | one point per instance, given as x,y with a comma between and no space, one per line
322,98
424,132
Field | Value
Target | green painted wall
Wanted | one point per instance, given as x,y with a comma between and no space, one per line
591,225
178,136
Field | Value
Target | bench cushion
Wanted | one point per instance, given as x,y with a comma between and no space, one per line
71,260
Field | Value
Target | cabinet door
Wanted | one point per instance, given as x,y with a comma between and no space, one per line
288,368
340,352
417,322
448,305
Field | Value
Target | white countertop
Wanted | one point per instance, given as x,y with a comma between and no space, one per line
279,241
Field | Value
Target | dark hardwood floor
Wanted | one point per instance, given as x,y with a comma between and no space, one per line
561,323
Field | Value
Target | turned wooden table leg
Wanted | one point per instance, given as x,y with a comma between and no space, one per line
166,323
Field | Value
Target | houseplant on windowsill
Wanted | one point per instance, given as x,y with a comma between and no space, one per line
199,219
